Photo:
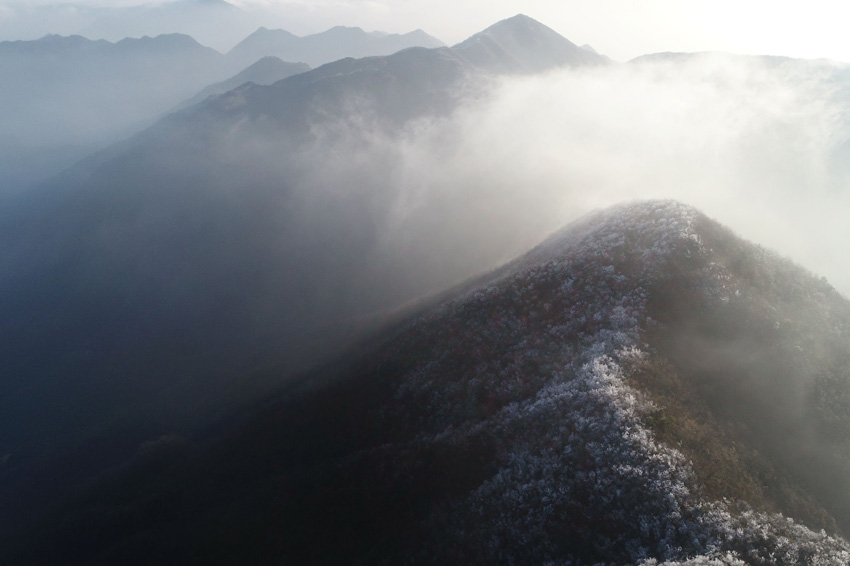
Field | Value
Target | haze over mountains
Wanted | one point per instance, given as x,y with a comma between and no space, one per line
73,96
617,382
317,49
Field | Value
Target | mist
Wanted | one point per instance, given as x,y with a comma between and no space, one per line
386,196
760,144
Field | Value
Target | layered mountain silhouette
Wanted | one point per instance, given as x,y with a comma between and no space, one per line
327,46
265,225
72,95
214,23
643,387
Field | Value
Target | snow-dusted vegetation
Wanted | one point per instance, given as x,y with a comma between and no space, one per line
535,364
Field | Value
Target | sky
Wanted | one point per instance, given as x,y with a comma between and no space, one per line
621,29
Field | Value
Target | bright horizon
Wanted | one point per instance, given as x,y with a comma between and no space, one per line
621,29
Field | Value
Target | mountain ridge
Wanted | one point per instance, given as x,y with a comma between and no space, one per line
327,46
74,96
518,422
266,71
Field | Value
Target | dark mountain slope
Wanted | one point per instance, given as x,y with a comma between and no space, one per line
562,411
523,45
330,45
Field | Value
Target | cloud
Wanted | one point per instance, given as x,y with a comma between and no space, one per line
755,143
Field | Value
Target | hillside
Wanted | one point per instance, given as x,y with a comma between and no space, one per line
643,387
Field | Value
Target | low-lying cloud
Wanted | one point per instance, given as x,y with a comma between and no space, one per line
758,143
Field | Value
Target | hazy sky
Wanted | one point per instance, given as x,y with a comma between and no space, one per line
621,29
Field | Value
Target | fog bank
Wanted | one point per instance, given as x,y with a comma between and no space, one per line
758,143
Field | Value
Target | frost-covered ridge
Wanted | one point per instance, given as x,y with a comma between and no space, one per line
534,365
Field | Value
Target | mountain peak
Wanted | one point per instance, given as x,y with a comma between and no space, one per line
517,21
519,24
521,44
656,230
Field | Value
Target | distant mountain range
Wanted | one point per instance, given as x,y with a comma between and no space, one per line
642,387
521,44
73,96
317,49
214,23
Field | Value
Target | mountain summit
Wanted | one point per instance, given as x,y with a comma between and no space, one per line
523,45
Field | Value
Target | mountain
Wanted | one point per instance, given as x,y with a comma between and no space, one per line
270,225
643,387
266,71
522,44
72,96
327,46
